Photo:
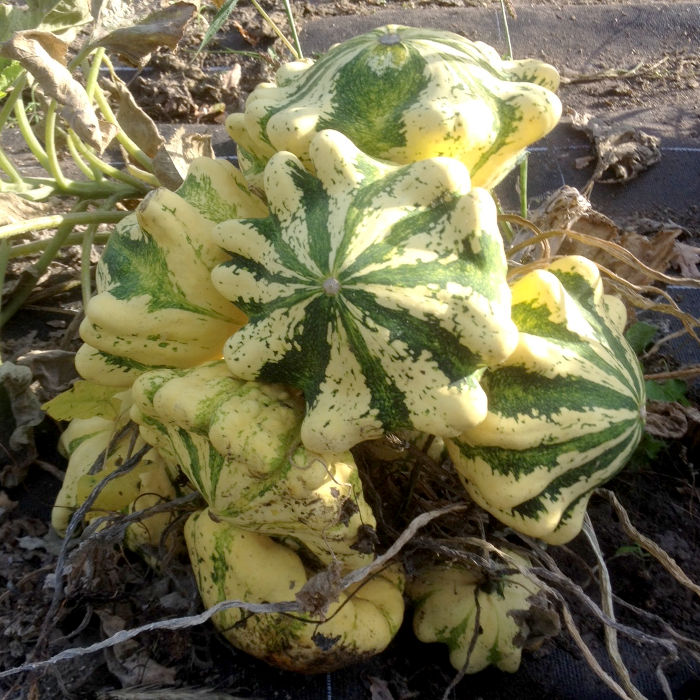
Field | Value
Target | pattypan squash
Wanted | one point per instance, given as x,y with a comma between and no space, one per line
230,563
403,94
238,442
566,409
378,290
155,303
454,604
96,447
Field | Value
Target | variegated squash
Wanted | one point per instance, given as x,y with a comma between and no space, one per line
96,446
233,564
238,442
378,290
403,94
566,409
155,303
480,619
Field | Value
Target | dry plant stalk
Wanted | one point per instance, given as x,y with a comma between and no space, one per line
648,545
607,605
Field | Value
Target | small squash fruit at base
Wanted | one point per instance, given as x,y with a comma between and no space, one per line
448,599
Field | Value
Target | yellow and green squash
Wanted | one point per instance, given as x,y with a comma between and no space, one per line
403,94
378,290
480,619
238,443
155,303
566,409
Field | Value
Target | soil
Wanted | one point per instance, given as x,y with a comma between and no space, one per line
107,588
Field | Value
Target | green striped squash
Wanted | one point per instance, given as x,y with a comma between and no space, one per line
377,290
155,303
404,94
238,443
566,409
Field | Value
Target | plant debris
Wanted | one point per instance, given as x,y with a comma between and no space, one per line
621,153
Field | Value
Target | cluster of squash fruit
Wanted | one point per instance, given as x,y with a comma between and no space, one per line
349,280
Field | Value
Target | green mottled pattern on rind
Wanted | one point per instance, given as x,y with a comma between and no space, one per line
193,449
586,471
200,192
514,391
520,463
136,265
370,112
441,343
367,89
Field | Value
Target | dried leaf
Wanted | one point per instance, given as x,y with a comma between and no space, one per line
251,38
379,689
20,412
670,420
171,162
321,590
231,79
622,153
140,128
686,259
53,369
14,209
165,27
569,210
44,56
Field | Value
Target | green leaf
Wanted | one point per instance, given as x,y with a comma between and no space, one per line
670,390
62,16
219,19
9,70
57,16
85,400
639,335
630,549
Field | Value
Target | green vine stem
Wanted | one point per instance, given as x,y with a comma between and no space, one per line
91,173
74,218
85,250
23,250
26,129
145,176
7,165
293,28
93,72
523,185
110,170
54,167
33,272
130,146
275,29
507,9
